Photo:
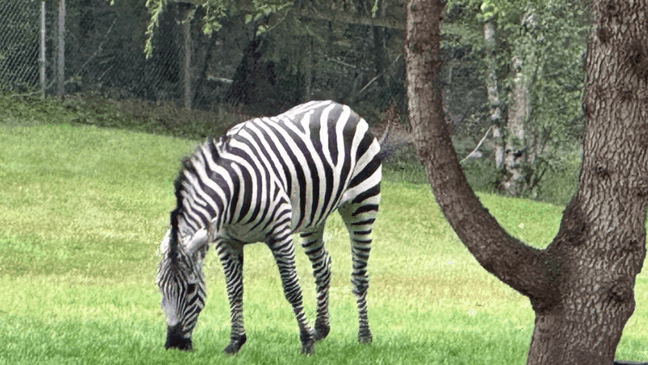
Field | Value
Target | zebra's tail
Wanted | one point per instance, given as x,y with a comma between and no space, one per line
386,149
385,135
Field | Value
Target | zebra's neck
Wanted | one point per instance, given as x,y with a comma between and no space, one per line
203,190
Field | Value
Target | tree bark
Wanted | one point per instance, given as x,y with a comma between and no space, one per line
43,52
581,285
520,266
493,92
515,154
601,241
508,132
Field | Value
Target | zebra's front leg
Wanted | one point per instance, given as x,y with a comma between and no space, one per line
231,256
284,254
313,244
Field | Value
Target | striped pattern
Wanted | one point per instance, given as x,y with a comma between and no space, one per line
265,180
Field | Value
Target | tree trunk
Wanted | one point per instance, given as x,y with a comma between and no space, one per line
493,92
43,52
185,17
380,62
581,285
508,133
602,236
515,154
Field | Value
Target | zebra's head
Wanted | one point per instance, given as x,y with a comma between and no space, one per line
181,283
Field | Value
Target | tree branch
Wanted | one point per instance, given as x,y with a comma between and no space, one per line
473,154
350,18
97,52
322,13
524,268
378,76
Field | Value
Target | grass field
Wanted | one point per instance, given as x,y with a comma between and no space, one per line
82,210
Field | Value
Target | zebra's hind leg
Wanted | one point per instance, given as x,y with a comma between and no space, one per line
359,218
313,244
231,256
284,253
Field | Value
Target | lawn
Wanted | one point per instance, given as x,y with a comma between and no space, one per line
82,210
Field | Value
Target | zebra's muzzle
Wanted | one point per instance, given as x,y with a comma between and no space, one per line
175,339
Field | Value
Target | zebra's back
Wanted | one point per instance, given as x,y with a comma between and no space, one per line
320,153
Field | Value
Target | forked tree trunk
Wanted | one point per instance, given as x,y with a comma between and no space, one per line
581,285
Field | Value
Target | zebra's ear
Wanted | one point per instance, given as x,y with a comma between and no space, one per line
199,239
223,140
164,245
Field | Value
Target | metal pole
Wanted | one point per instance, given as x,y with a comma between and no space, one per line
186,67
42,50
61,49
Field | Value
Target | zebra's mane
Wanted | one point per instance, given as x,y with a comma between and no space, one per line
183,186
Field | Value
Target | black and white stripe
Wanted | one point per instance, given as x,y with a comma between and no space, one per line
265,180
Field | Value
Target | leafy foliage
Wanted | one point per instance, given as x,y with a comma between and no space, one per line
550,44
215,10
544,42
317,49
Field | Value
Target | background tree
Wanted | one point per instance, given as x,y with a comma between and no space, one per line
243,58
532,53
581,285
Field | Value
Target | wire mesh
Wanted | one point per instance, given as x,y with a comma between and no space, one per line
104,56
19,45
104,49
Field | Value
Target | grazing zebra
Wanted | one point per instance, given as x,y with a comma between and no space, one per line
266,179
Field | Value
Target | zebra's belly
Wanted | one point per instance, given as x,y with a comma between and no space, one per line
244,233
248,234
309,221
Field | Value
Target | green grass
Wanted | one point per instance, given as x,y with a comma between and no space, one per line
82,210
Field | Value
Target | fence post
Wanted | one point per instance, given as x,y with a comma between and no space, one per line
185,13
186,79
61,49
42,50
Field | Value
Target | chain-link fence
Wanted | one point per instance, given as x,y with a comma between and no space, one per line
19,45
104,52
104,49
103,46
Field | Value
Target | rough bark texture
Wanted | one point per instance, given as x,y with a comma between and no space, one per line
601,242
520,266
581,286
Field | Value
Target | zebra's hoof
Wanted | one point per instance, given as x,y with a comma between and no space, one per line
230,350
308,349
365,338
307,338
234,346
321,332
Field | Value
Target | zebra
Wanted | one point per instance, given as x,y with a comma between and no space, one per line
263,181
